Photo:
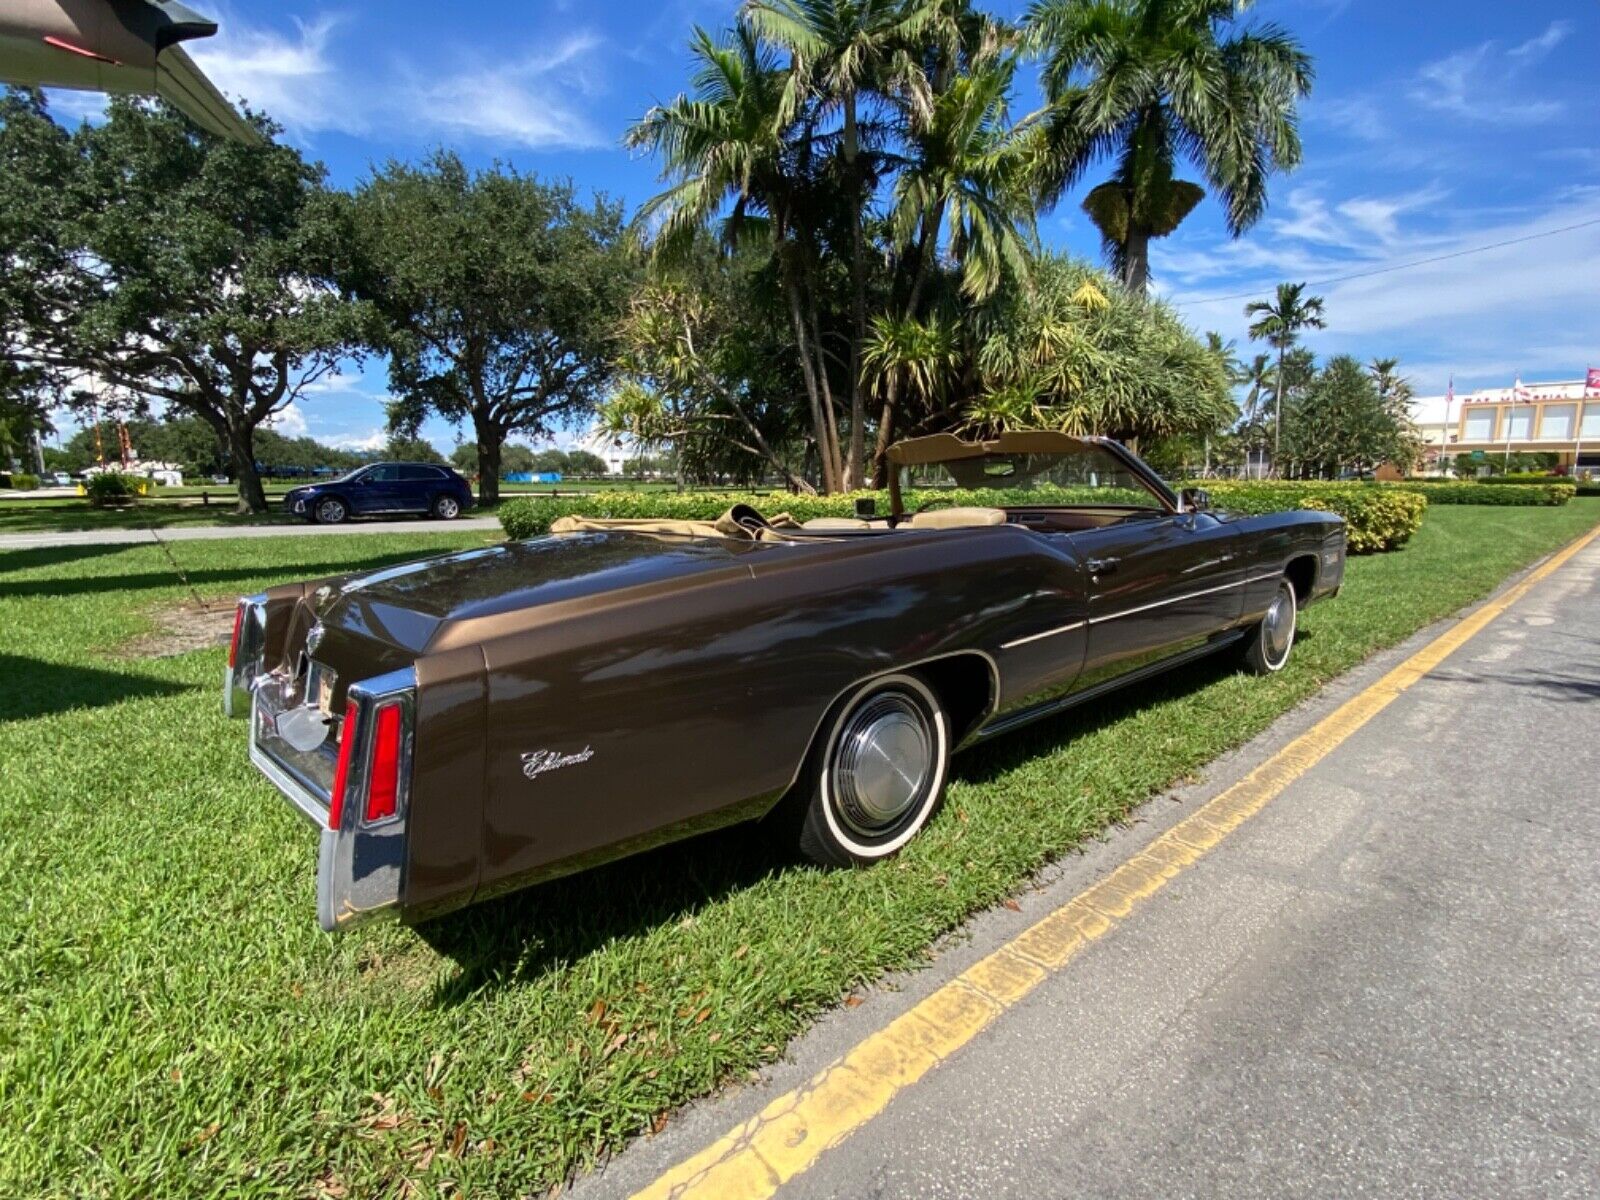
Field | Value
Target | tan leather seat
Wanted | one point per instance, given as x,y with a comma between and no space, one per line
836,523
956,518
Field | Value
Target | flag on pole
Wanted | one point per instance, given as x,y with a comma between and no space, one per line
1591,381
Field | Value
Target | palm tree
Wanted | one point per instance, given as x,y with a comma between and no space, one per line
961,188
843,52
1394,389
731,142
1279,323
1226,352
1148,81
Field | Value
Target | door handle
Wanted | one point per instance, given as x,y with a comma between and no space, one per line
1102,566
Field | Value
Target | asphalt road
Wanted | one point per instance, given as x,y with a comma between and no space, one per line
206,533
1386,983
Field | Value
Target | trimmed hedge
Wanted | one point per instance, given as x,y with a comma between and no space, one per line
1535,493
1377,517
24,482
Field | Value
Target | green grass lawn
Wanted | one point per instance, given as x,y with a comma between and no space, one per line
175,1024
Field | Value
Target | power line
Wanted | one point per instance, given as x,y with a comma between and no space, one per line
1421,262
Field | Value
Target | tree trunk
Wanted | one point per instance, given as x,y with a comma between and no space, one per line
242,449
830,414
858,303
1136,260
490,440
1277,416
819,430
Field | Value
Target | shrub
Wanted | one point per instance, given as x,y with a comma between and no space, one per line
109,489
1378,517
24,483
1548,492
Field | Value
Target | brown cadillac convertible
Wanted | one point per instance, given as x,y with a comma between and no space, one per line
475,722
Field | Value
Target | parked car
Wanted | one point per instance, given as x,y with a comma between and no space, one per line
59,479
476,722
383,489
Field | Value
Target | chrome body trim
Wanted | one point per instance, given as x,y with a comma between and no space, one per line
1034,637
1127,612
239,680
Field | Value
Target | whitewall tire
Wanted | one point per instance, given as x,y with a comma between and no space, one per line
1266,649
877,773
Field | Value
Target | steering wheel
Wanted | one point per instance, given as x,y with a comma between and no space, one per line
930,505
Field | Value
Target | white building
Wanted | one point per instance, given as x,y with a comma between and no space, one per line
1560,418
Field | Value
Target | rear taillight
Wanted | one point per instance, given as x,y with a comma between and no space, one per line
238,628
383,788
341,772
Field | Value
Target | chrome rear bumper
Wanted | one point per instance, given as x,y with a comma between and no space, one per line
360,865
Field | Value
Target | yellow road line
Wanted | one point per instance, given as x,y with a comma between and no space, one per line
756,1158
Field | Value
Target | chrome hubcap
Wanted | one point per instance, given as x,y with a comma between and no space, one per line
331,511
1277,631
882,765
447,508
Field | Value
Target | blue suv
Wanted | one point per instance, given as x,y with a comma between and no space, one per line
383,489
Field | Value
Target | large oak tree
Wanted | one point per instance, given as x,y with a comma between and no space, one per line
172,264
499,295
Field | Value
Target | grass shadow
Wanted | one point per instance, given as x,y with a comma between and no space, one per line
36,688
524,934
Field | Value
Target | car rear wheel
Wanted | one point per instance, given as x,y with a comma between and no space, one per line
331,511
1267,648
446,508
877,775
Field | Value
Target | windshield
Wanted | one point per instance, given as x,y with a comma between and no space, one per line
1088,475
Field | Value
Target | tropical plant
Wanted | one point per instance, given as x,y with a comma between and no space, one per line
1072,351
1150,82
1279,322
1342,423
699,373
734,155
872,134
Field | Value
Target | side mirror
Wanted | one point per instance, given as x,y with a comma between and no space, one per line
1194,500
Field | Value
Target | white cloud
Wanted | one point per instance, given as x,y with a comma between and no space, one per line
290,77
1535,48
528,103
377,439
301,79
1526,308
1476,83
1359,116
289,421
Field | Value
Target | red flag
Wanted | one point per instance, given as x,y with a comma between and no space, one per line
1591,381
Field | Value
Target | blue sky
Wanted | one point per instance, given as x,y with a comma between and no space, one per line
1432,129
